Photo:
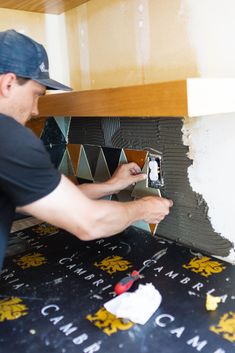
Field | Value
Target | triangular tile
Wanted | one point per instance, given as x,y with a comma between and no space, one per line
65,166
83,170
83,181
92,154
112,156
122,158
74,153
63,123
102,171
73,178
108,197
142,225
153,228
56,153
52,133
124,196
137,156
36,125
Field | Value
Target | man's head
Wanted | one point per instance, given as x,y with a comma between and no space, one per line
26,58
24,74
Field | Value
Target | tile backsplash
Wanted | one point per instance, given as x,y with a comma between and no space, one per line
86,163
88,149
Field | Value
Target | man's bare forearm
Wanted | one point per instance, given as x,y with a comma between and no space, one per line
125,175
96,191
110,217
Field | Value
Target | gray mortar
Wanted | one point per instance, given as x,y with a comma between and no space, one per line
188,221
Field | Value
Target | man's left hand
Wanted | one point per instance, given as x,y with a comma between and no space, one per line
126,175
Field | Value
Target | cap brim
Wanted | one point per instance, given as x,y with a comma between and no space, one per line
52,84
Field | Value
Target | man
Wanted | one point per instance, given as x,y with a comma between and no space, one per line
28,181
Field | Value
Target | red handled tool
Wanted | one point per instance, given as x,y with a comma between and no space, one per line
126,282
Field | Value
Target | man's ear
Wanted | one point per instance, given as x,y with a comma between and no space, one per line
7,82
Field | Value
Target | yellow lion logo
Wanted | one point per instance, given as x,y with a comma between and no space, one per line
45,229
12,309
108,322
204,266
31,260
112,264
226,327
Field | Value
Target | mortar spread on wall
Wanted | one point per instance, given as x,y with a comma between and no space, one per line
188,222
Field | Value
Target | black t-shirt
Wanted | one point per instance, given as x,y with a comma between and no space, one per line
26,173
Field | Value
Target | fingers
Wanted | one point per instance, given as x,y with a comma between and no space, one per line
133,167
170,202
160,218
130,172
128,168
167,202
138,177
156,208
135,172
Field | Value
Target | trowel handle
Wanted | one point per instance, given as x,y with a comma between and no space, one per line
126,283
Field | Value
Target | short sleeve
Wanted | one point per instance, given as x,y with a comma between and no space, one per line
26,172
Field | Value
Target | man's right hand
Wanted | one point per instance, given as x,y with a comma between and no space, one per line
155,208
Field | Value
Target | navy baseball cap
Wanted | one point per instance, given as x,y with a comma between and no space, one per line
26,58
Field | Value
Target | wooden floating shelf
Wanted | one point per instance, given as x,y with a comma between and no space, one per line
185,98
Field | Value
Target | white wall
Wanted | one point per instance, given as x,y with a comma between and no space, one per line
56,43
